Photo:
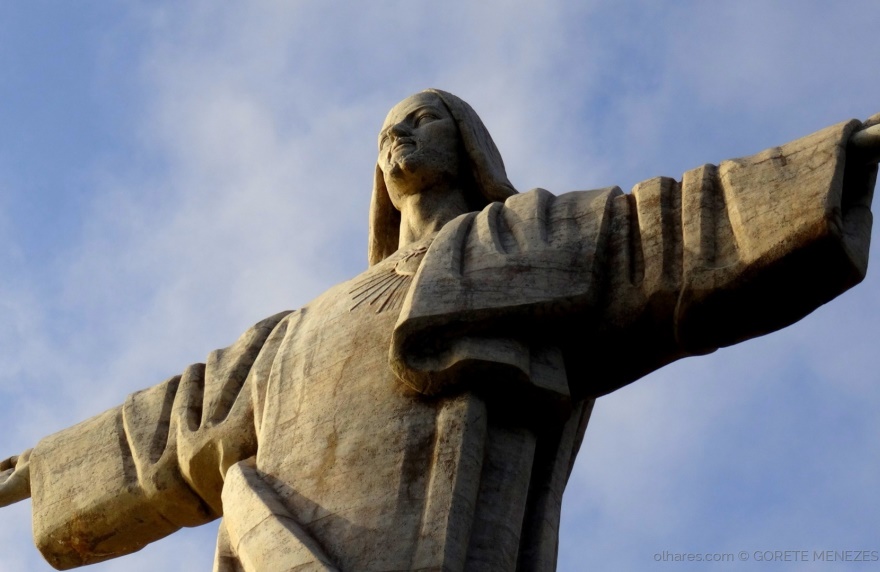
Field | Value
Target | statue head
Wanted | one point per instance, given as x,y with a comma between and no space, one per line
476,162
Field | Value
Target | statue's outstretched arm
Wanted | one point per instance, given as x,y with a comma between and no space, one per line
674,268
15,481
793,233
137,472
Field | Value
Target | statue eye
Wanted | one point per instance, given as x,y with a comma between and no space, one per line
424,117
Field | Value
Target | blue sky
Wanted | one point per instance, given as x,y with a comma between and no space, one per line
172,172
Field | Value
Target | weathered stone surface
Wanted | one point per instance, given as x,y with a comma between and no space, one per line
426,414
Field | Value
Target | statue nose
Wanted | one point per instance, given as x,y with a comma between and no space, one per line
400,130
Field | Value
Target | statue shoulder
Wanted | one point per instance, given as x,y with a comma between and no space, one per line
539,195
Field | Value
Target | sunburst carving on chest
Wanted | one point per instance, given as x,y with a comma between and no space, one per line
386,288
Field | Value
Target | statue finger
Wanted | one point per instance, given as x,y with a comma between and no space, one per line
13,489
866,137
866,143
8,463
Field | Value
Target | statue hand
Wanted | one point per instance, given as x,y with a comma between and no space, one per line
15,479
865,143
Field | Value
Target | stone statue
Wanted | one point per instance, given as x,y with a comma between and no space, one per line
426,414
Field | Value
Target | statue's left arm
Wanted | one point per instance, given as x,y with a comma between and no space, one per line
622,284
755,263
735,251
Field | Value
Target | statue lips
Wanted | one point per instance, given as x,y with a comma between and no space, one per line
400,143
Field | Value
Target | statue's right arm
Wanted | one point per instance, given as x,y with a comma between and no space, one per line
15,481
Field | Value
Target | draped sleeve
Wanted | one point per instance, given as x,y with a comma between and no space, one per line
138,472
579,294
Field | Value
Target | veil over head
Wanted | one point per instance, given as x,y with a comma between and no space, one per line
487,170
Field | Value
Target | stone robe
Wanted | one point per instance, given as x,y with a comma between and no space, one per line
426,414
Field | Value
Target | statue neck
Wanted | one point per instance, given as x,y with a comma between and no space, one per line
426,212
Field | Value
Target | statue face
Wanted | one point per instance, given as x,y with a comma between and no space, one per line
419,146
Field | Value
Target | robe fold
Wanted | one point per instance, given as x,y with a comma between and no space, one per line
426,414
